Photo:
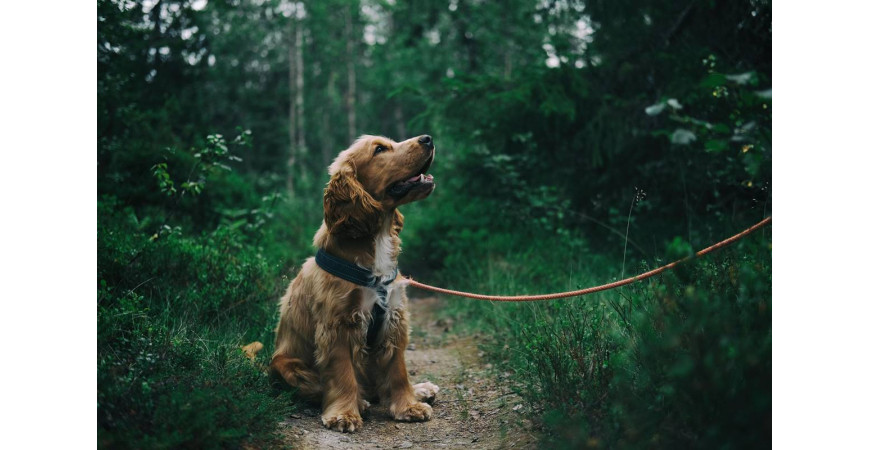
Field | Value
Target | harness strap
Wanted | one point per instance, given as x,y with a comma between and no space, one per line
361,276
378,315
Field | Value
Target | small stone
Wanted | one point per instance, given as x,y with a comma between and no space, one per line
517,408
397,426
405,444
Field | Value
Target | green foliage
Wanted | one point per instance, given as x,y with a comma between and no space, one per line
168,382
574,139
176,301
681,361
696,364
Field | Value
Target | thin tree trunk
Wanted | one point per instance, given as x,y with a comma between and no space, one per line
506,44
300,90
326,145
291,129
297,100
350,102
466,36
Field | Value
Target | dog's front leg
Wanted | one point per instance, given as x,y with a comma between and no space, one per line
393,382
339,352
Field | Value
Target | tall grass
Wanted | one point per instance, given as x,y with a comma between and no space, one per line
173,307
679,361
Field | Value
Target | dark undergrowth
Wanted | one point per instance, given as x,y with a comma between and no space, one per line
682,360
183,281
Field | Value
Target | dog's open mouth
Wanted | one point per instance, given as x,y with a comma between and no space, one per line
421,180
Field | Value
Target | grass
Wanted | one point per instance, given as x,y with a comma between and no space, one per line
173,309
681,360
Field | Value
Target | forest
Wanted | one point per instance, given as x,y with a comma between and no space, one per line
579,142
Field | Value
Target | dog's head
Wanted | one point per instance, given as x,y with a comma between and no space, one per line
373,177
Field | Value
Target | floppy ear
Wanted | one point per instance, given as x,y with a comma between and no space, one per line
398,221
348,209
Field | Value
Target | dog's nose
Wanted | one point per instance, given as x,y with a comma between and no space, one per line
426,141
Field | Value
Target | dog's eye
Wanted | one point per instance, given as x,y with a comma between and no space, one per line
379,149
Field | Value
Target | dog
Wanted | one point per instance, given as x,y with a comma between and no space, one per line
343,329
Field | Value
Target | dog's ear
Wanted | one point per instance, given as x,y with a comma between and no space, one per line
348,209
398,221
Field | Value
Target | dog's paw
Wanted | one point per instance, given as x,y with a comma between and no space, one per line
425,392
252,349
414,412
346,422
363,406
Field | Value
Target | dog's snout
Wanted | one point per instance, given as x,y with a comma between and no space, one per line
426,141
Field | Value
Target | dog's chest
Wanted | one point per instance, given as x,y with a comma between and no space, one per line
385,254
379,303
392,299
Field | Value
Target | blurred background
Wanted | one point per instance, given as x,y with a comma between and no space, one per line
577,141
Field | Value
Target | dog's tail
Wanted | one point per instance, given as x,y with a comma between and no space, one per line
251,351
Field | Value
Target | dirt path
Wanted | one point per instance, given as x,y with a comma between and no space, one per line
474,409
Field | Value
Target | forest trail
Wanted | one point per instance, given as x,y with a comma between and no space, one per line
474,409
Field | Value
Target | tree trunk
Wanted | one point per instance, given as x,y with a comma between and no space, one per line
506,43
291,129
327,150
466,36
297,100
350,102
300,91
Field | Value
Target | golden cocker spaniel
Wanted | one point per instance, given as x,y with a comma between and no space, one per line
343,329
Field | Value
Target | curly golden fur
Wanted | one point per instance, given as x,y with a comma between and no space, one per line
320,346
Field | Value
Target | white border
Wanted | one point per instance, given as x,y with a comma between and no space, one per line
48,231
820,251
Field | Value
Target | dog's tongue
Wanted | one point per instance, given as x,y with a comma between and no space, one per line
415,178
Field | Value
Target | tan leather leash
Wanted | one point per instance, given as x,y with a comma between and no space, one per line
590,290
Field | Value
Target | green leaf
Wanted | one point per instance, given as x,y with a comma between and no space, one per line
681,136
765,94
715,145
741,78
713,80
654,110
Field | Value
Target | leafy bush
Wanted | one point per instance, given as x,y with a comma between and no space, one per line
183,281
682,360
